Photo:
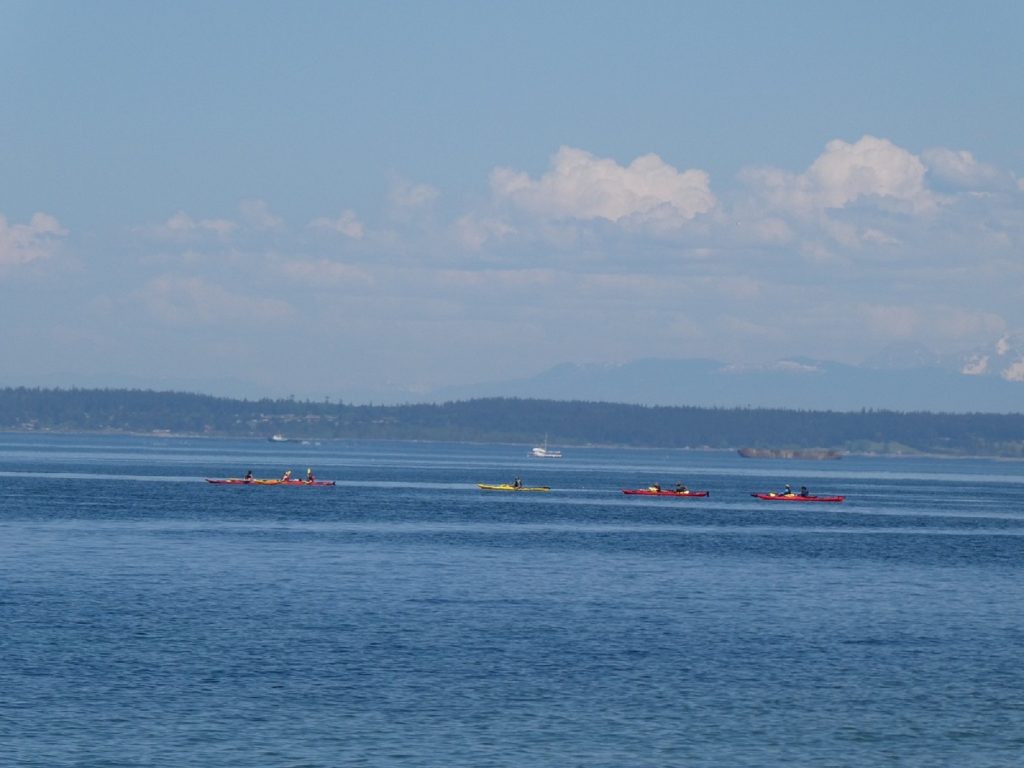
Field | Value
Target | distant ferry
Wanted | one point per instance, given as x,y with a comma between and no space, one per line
814,454
278,439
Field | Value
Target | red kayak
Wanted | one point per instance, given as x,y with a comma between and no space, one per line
649,492
794,497
243,481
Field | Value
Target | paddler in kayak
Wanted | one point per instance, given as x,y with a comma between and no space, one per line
803,491
654,487
248,476
680,488
286,476
787,492
518,482
309,476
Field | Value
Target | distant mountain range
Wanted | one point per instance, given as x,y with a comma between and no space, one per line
904,379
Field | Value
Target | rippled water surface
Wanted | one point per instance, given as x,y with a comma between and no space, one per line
404,617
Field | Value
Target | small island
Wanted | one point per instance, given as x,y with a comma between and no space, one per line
808,454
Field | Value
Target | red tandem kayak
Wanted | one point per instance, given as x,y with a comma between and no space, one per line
649,492
243,481
794,497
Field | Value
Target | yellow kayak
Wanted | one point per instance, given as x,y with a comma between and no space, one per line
510,487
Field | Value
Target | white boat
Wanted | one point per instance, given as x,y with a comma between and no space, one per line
278,439
543,452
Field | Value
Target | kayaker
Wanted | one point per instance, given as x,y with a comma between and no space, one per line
248,475
788,491
656,487
309,476
680,488
803,490
518,482
286,476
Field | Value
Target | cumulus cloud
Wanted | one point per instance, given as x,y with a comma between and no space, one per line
1014,372
257,215
347,224
24,243
193,301
961,169
582,186
869,169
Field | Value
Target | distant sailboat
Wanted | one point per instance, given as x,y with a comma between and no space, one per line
542,451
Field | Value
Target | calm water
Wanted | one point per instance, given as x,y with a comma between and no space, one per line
405,618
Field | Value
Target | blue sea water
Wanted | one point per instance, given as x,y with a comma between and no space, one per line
406,618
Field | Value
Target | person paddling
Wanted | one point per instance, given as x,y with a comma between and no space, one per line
309,476
286,476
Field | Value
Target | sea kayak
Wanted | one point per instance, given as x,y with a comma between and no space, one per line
649,492
257,481
794,497
510,487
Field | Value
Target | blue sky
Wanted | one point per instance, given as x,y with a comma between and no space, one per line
343,199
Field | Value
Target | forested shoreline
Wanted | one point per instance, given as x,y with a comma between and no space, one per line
513,420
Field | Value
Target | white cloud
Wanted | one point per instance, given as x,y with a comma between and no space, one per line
960,168
1014,372
581,186
182,225
24,243
257,214
871,167
347,224
844,173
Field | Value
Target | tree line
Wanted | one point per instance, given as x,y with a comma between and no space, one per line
513,420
